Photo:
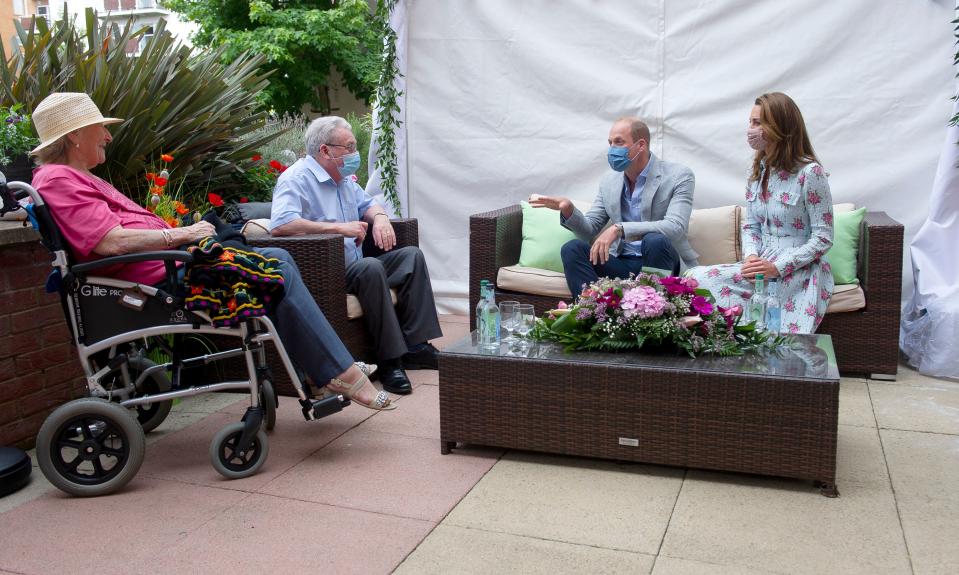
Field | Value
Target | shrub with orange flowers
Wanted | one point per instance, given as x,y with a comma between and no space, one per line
168,203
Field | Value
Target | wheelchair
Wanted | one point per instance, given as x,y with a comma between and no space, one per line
94,445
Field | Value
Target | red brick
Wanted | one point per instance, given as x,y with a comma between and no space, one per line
7,368
45,400
22,433
17,300
4,325
8,412
64,372
21,343
24,255
44,358
56,334
36,318
26,277
20,386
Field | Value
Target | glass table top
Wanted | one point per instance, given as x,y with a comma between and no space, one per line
804,356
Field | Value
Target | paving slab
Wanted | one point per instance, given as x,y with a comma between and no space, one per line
855,407
785,526
908,375
450,549
924,468
573,500
674,566
417,415
184,455
932,406
264,534
56,533
386,473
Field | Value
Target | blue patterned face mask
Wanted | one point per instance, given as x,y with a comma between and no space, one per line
351,163
618,157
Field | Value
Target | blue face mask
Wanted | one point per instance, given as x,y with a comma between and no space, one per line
351,163
618,157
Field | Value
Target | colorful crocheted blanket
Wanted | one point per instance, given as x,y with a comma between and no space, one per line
229,283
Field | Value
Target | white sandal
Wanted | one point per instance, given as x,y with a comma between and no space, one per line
381,402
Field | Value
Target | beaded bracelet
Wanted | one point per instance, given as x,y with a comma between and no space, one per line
167,237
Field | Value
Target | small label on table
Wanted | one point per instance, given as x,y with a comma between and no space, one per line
629,441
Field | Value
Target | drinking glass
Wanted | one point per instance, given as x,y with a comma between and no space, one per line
508,319
526,319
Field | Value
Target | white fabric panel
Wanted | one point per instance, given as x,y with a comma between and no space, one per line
930,322
509,98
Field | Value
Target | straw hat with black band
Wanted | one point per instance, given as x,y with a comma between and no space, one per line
63,112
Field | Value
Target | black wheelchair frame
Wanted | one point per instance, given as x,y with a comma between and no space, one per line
95,445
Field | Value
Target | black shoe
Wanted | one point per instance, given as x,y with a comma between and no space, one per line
425,357
394,380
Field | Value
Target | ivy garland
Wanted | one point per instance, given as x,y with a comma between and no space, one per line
387,107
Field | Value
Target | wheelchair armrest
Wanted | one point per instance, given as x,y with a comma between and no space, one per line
163,255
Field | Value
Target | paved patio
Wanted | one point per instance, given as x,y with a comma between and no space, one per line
365,492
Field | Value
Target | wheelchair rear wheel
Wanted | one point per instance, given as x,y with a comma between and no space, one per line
90,447
269,402
152,415
231,464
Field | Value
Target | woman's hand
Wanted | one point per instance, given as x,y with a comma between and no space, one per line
196,232
757,265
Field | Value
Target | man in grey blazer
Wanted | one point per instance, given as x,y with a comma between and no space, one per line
647,202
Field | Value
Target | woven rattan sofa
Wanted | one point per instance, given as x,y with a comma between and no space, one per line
864,323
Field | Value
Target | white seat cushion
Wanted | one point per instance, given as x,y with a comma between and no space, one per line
846,297
714,234
533,281
353,308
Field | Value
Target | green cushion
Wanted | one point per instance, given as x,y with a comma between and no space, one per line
543,236
845,246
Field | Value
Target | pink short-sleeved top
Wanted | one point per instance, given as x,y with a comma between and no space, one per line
86,208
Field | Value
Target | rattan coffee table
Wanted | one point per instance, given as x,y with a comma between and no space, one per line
770,413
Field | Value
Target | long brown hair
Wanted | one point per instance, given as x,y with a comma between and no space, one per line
788,146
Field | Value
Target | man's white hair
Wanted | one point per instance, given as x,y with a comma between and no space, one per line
321,130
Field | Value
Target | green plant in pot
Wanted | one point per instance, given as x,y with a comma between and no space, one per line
16,140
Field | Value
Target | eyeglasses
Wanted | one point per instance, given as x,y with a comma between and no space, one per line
351,148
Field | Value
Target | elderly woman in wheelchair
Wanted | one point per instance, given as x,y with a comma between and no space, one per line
121,284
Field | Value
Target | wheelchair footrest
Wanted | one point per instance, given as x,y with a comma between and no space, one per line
317,408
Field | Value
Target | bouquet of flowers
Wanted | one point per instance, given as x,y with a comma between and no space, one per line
168,204
650,311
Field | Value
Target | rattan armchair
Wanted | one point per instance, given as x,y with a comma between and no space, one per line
866,341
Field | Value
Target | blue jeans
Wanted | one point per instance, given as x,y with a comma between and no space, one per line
658,252
306,334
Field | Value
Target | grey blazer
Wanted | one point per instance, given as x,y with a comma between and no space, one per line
667,202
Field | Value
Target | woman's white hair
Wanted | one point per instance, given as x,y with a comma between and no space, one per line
320,131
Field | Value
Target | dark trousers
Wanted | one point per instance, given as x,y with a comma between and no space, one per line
413,320
658,252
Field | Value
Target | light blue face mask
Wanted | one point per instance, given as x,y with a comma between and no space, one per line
618,157
351,163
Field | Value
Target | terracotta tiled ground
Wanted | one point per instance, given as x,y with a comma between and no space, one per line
365,492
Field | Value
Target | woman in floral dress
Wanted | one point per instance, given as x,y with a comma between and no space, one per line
788,226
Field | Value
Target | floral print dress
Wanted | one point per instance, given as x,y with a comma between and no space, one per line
789,224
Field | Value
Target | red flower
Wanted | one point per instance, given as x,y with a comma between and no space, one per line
160,181
257,157
151,176
277,165
166,158
244,199
215,200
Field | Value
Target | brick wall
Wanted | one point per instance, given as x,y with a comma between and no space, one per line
39,369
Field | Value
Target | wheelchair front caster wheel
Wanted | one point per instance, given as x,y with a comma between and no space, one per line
232,464
268,401
90,447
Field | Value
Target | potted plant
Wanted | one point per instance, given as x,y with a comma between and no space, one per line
16,140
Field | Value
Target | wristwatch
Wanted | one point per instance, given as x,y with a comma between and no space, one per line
622,232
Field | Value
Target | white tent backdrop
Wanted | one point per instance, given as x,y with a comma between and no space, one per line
507,98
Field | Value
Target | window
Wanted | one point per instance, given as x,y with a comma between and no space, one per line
147,36
43,12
